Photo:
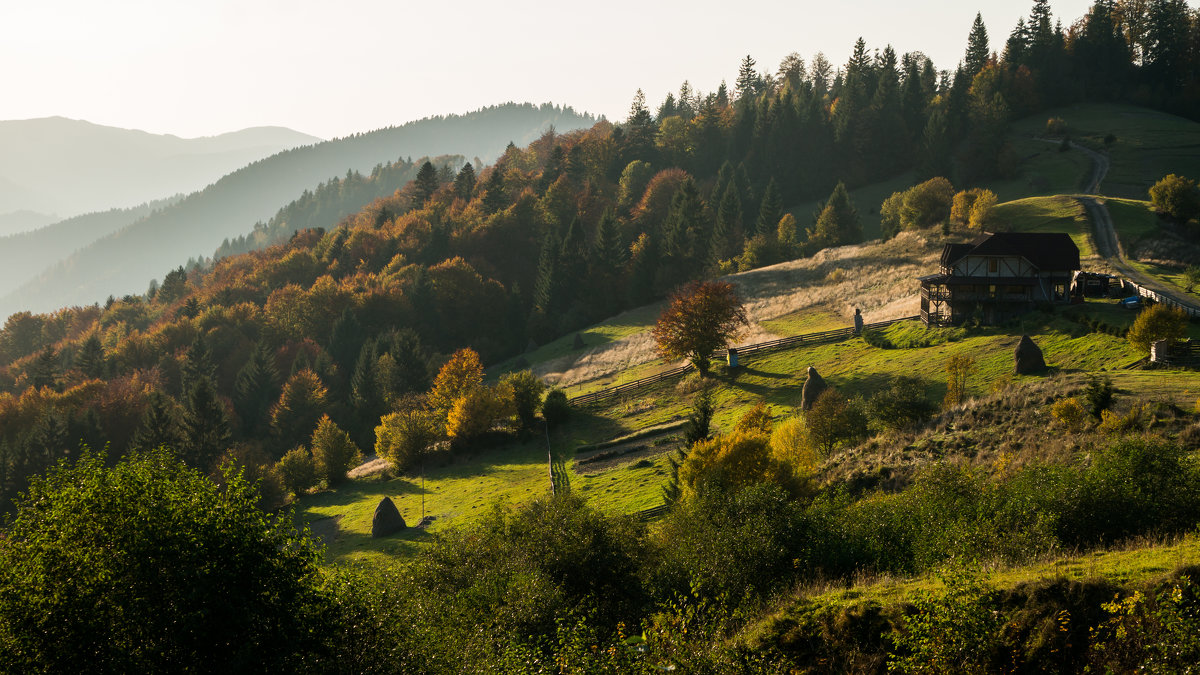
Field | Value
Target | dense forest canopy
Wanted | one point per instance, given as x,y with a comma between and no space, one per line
614,215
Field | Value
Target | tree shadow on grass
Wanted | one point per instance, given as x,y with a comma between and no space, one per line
340,542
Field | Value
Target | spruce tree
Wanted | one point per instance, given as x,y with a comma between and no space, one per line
685,231
464,182
748,80
346,339
412,361
769,212
44,371
572,263
197,365
608,254
206,430
257,386
495,198
425,184
160,425
978,50
547,290
838,223
365,398
723,244
90,360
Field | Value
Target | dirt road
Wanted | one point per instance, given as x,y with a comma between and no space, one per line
1105,235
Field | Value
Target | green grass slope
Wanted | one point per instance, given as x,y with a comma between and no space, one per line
1148,144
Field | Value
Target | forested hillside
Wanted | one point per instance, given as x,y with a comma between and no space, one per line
318,335
120,258
613,215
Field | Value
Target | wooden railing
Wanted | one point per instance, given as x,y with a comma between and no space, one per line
822,337
1191,310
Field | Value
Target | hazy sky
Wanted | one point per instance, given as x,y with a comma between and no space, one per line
332,68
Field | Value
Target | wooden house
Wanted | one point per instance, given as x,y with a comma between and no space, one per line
999,276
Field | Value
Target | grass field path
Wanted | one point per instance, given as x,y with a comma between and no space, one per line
1107,242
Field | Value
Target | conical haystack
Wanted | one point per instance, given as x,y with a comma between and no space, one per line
387,519
1028,357
813,386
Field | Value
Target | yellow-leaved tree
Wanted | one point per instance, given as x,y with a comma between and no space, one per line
461,375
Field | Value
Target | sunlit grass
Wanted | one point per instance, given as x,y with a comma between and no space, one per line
1060,213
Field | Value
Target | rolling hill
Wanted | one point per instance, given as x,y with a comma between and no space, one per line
121,260
68,167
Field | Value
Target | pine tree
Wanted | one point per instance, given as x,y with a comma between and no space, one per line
978,50
44,372
495,198
301,403
748,81
206,430
160,425
412,362
685,231
257,386
346,339
425,184
90,360
838,223
607,264
608,253
464,182
197,365
723,244
644,262
770,211
572,262
547,290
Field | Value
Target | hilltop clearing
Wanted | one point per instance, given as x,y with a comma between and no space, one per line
876,277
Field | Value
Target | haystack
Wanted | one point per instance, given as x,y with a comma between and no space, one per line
1028,357
387,519
813,386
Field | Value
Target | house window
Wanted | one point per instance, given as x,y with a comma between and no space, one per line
993,265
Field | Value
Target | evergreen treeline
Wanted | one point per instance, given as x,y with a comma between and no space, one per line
249,354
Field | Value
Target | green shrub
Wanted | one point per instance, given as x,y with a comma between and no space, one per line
729,545
333,451
1098,395
149,566
900,405
517,572
1134,486
1157,633
555,408
297,470
954,632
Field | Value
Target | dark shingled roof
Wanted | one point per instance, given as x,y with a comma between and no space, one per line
954,252
1046,250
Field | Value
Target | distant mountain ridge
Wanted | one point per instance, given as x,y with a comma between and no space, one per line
123,259
55,165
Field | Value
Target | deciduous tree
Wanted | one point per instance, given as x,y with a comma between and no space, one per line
702,317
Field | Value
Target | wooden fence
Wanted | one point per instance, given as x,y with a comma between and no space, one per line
822,337
1191,310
